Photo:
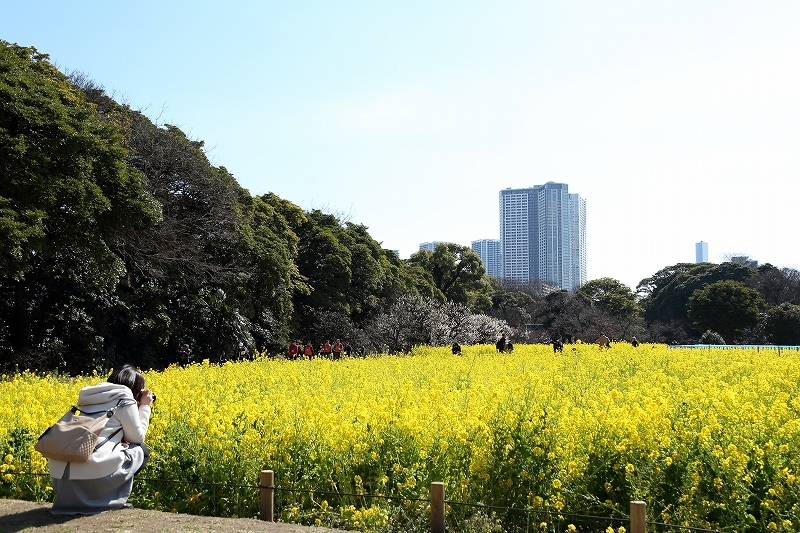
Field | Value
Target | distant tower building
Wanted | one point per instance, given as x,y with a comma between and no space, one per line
431,246
543,235
489,250
701,252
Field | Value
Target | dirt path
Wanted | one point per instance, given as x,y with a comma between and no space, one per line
17,516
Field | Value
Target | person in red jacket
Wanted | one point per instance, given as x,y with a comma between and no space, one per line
308,350
293,350
337,349
326,349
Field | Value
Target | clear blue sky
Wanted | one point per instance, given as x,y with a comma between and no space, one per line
677,121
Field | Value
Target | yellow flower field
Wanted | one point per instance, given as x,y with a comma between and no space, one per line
708,438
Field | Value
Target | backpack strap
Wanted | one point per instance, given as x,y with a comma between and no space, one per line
107,439
109,414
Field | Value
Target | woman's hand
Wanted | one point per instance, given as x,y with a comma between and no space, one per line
146,397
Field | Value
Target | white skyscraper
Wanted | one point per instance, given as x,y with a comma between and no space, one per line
543,235
701,252
489,250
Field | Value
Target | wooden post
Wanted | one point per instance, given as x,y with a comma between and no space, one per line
638,517
267,495
437,507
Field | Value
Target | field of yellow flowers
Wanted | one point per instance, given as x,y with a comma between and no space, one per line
707,437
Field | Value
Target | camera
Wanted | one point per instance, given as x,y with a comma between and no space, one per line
139,396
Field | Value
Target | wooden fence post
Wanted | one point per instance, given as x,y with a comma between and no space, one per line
437,507
267,495
638,517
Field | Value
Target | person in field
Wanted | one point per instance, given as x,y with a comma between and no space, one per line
294,349
603,341
456,348
185,354
337,349
501,344
308,350
105,481
558,346
241,352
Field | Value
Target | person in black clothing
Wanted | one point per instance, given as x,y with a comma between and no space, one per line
501,344
185,354
456,349
558,346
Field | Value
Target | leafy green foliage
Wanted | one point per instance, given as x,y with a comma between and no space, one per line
727,306
68,195
345,270
783,324
456,274
612,296
512,306
665,295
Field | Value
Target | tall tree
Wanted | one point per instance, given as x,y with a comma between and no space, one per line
68,195
612,296
512,306
457,273
568,316
665,295
220,267
270,278
345,269
324,259
777,285
185,273
782,324
727,307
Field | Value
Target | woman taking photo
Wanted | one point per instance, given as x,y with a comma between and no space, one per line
105,481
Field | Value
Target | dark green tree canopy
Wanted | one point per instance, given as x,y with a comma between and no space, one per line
65,174
665,295
68,196
457,273
782,324
512,306
612,296
727,307
344,269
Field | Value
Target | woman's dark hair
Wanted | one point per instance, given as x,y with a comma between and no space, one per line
130,377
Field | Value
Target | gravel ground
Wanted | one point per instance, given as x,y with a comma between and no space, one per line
20,516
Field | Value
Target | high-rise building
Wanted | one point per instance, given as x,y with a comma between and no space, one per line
701,252
430,246
543,235
489,250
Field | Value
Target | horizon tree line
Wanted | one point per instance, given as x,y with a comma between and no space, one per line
120,242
